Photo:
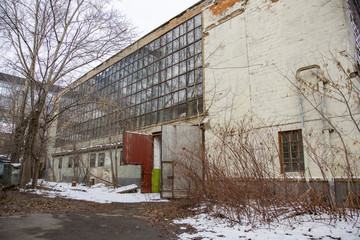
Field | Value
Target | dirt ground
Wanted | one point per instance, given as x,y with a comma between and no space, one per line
158,215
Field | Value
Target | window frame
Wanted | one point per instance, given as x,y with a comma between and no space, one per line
92,165
60,162
76,161
138,77
70,162
298,144
101,161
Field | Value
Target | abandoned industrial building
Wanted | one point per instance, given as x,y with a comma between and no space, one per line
162,104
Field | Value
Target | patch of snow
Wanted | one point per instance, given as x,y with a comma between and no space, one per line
5,128
16,165
99,193
304,227
126,188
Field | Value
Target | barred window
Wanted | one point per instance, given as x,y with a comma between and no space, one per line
291,151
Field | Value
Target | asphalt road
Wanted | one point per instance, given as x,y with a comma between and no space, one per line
68,226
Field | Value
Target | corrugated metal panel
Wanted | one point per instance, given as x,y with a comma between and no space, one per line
138,151
181,146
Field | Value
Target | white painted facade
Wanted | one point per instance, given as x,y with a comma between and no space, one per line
252,51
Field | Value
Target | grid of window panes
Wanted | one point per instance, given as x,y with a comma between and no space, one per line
292,154
159,82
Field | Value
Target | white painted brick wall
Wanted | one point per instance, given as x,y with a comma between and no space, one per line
254,56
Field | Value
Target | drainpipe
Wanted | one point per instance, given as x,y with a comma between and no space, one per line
326,130
302,117
327,141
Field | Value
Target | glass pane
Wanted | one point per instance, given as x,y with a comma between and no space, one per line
182,81
148,107
162,51
154,117
168,101
190,37
175,84
168,73
175,97
190,78
162,64
161,102
148,119
168,114
142,108
168,87
190,108
198,60
190,24
163,40
161,116
198,75
182,110
190,93
190,64
168,61
169,36
182,67
199,90
190,51
168,48
176,32
176,57
183,29
182,41
148,93
175,70
143,96
176,45
182,95
182,54
154,105
157,43
155,91
197,20
156,78
198,47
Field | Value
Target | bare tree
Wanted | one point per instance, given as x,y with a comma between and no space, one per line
49,41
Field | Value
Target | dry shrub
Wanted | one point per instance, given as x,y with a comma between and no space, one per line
242,181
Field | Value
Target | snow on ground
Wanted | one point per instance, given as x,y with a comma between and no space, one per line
208,227
98,193
303,227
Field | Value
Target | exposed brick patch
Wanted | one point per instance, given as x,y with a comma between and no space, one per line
222,6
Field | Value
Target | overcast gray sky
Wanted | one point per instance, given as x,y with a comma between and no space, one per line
150,14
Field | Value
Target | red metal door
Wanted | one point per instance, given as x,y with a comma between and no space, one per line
138,150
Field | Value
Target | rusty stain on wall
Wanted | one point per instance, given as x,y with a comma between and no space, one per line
222,6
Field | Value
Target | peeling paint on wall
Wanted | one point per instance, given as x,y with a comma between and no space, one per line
222,6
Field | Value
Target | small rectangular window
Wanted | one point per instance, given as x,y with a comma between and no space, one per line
92,159
101,159
291,151
76,161
60,163
70,162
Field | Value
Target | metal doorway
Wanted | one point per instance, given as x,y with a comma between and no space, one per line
181,146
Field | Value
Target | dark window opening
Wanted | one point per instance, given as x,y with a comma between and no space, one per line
60,163
101,159
92,159
70,162
291,151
